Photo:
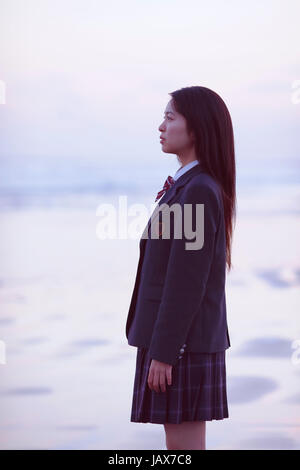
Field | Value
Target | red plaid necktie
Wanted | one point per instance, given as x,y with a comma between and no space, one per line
168,183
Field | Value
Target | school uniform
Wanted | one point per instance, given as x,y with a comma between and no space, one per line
177,313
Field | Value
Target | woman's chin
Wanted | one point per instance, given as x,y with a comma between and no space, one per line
164,147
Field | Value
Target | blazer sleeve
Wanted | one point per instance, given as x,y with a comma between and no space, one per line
186,277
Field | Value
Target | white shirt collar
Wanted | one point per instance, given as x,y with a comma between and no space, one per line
187,167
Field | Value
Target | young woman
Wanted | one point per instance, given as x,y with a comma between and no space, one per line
177,317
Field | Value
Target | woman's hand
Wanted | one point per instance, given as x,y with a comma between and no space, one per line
158,373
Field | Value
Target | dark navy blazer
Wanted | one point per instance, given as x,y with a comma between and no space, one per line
179,295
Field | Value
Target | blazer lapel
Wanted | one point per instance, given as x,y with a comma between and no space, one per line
167,198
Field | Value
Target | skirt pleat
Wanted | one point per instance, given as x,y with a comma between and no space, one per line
197,393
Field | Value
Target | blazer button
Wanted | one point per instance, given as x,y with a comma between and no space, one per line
184,346
180,357
181,350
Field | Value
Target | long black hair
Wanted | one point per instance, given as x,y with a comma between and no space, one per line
208,118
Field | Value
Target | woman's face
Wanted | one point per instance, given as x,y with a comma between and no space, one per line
174,132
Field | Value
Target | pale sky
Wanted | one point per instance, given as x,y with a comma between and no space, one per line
88,81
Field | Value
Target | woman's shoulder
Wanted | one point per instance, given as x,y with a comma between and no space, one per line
204,185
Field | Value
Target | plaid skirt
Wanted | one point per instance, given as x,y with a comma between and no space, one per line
197,391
